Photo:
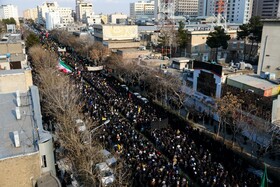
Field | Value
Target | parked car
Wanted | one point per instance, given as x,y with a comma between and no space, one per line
110,159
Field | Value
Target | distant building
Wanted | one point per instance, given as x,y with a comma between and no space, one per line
52,20
198,49
117,18
31,13
117,36
186,8
83,10
43,9
233,11
26,150
12,52
9,11
269,59
266,9
142,9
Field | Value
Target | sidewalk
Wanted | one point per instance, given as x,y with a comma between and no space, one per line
247,151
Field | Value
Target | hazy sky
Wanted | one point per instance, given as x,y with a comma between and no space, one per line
99,6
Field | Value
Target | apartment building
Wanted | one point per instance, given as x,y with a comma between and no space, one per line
266,8
83,10
235,11
9,11
142,9
186,8
31,13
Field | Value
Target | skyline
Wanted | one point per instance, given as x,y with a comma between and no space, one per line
99,6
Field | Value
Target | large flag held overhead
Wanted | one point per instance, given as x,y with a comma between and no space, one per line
64,67
264,181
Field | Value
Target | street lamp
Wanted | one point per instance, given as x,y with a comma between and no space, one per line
96,128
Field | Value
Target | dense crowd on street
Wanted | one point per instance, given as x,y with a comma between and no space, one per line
156,157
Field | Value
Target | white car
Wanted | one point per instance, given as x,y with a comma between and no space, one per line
106,174
137,95
110,159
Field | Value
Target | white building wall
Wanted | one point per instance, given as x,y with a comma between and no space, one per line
84,10
113,17
269,59
142,9
238,11
9,11
52,19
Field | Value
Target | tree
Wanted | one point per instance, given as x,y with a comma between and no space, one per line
182,37
98,53
229,109
9,21
243,35
251,31
32,40
216,39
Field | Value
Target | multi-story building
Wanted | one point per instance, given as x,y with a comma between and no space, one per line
31,13
117,18
54,15
13,55
186,8
65,14
26,149
43,9
235,11
142,9
117,36
52,20
198,49
266,8
269,60
83,10
9,11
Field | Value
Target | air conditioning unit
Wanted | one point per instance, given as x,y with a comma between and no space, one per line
16,139
18,115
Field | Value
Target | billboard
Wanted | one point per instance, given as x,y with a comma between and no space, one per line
214,68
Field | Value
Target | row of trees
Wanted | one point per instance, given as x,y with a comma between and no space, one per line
63,103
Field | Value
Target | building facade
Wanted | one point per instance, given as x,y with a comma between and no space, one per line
43,9
186,8
198,49
266,8
31,13
52,20
117,18
83,10
142,9
9,11
269,59
235,11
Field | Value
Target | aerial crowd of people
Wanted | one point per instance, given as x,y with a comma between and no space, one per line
165,156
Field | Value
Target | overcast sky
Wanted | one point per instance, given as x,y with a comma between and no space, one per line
99,6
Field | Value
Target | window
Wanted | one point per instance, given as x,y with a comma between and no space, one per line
44,161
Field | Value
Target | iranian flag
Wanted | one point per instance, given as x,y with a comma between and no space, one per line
64,67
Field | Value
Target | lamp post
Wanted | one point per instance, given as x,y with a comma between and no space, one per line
96,128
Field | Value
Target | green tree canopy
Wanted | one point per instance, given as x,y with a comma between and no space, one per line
182,35
252,31
9,21
218,38
32,40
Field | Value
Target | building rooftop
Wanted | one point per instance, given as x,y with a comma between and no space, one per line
11,72
254,81
29,126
